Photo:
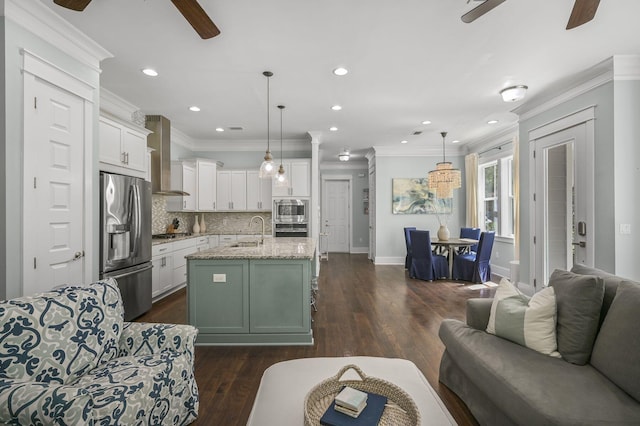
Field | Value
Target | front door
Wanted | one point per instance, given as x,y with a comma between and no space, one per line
336,214
53,187
563,202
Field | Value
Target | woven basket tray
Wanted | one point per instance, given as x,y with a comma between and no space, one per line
400,409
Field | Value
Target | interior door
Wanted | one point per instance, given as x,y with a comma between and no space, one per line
563,197
372,214
336,216
53,187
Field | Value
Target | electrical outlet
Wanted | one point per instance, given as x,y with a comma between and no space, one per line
219,278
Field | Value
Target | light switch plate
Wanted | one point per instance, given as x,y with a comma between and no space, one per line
219,278
625,229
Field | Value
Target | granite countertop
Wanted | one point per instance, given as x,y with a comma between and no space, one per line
155,241
273,248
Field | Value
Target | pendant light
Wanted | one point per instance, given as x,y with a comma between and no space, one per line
267,168
281,177
444,179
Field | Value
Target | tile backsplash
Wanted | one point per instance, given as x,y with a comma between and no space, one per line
217,222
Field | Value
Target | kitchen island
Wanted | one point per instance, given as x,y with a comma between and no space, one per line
247,293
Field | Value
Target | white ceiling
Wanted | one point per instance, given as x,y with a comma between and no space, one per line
408,61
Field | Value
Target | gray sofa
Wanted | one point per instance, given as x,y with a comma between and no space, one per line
503,383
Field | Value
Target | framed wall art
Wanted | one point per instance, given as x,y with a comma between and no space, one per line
412,196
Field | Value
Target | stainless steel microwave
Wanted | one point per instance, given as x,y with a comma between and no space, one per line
291,211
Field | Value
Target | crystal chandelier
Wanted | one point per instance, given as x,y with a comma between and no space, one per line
267,168
444,179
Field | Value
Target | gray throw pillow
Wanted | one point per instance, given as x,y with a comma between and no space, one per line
579,299
616,353
611,283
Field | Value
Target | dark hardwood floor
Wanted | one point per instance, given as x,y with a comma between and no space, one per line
362,310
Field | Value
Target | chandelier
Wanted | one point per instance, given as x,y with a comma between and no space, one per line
444,179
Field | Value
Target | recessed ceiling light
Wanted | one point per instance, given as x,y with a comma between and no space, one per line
492,122
426,122
333,129
456,141
404,141
194,108
150,72
219,129
336,107
340,71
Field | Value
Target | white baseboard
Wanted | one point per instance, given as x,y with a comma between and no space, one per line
359,250
390,260
499,270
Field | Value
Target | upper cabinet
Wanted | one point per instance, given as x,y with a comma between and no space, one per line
232,190
258,192
206,183
298,173
123,147
183,178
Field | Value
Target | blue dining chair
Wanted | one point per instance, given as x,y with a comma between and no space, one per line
475,267
472,233
424,264
407,240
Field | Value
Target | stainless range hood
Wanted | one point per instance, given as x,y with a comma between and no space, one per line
160,141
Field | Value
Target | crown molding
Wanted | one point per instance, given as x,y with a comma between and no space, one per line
116,106
594,77
493,140
626,67
395,151
240,145
57,31
344,165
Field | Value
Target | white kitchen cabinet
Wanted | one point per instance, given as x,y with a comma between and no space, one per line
299,175
206,182
202,243
162,272
232,190
227,239
180,250
183,178
123,147
214,241
258,192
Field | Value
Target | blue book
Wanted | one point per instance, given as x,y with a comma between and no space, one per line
370,416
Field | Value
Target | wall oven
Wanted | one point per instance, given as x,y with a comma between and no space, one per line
291,230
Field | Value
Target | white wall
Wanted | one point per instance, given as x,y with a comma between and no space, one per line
390,244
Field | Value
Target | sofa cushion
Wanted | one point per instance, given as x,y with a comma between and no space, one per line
579,299
611,283
532,388
143,390
527,322
616,352
59,336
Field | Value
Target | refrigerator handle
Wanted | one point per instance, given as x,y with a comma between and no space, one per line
146,267
135,219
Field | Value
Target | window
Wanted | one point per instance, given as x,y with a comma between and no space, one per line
496,207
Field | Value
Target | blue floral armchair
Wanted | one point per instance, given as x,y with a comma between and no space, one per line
68,358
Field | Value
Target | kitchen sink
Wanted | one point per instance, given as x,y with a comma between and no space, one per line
245,244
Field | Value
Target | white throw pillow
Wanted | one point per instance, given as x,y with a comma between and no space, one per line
529,322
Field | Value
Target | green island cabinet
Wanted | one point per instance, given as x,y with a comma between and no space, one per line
260,299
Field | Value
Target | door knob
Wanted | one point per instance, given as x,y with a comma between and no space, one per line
581,244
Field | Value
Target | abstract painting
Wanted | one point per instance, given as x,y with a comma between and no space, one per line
412,196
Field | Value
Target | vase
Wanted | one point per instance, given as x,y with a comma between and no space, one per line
203,225
196,227
443,233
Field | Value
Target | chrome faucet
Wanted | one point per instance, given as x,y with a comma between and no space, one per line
262,219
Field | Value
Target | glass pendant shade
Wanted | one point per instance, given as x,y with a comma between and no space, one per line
267,168
444,179
281,179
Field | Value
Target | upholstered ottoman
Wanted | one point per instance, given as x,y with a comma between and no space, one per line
280,397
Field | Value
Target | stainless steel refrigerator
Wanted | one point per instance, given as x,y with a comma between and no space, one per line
125,239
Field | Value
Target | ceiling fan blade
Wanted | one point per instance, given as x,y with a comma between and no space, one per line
77,5
197,17
583,11
480,10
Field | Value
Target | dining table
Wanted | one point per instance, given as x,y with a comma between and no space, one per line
445,248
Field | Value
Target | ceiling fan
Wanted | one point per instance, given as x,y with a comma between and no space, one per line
190,9
583,11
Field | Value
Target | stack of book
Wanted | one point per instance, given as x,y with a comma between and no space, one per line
354,407
351,401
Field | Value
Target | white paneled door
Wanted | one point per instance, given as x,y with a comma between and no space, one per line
53,187
336,214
